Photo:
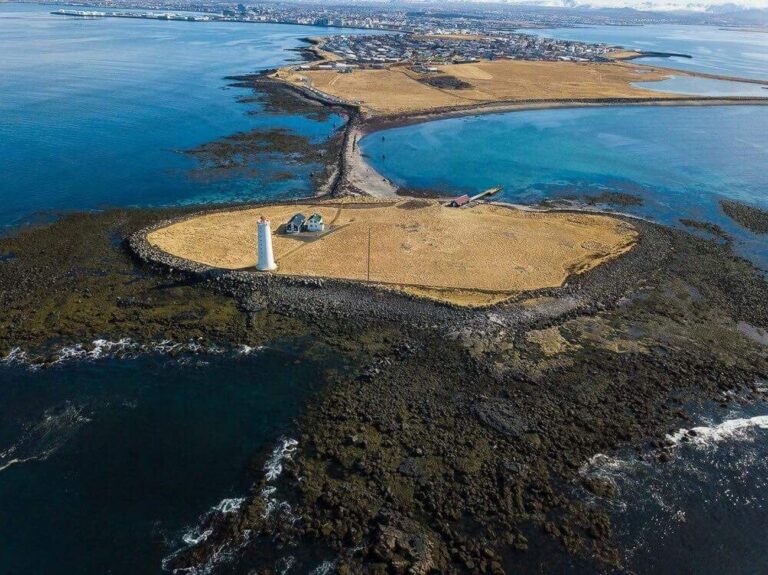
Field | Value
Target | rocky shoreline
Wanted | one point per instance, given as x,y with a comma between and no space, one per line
457,445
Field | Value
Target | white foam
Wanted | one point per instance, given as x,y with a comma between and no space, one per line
230,505
325,568
285,564
273,467
249,350
104,348
605,463
195,536
730,429
45,437
16,355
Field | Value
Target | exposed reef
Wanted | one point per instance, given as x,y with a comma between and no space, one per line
458,446
753,218
615,199
713,230
245,151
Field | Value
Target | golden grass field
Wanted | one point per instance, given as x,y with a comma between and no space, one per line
397,90
468,256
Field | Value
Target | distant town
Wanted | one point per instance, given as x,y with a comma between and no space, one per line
441,49
422,38
422,18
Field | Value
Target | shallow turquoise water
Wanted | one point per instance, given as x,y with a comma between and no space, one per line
680,161
94,112
713,50
705,87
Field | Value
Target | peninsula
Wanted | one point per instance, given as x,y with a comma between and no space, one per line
492,352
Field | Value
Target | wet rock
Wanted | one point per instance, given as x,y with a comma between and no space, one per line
501,416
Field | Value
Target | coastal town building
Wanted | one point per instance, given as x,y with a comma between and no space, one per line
423,50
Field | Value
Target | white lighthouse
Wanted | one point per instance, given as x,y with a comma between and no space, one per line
266,260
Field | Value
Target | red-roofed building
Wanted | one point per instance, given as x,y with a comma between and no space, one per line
460,201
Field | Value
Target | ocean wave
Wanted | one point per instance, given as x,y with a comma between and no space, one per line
285,564
714,471
703,436
273,467
195,536
230,505
325,568
249,350
15,356
99,348
273,506
222,554
124,348
40,440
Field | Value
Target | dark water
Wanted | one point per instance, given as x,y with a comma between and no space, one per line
706,510
118,458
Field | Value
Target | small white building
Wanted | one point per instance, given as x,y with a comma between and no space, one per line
315,223
295,224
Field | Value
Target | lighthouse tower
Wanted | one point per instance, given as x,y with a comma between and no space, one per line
266,260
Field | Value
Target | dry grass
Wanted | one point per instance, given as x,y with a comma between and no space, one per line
397,89
623,54
470,256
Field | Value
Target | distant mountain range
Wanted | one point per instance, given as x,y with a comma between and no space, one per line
725,12
662,5
714,7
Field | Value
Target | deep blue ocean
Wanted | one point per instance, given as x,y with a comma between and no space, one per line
106,464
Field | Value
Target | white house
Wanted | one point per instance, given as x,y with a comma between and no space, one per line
295,224
315,223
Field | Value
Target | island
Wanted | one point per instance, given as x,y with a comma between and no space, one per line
496,349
